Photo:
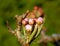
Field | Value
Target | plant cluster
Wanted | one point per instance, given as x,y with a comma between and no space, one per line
29,25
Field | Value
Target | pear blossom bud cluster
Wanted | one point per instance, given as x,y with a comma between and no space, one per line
32,18
28,25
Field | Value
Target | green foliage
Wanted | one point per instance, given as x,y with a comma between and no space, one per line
9,8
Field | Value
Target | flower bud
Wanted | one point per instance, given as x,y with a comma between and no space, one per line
35,8
28,27
40,11
31,21
39,20
26,19
32,15
24,22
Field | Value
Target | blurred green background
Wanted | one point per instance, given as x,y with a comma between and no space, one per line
9,8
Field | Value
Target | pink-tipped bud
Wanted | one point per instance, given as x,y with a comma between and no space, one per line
31,21
26,19
24,22
28,27
39,20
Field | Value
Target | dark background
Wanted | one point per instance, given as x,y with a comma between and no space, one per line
9,8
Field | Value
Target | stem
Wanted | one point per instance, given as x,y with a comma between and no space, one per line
39,29
44,44
33,33
26,44
24,30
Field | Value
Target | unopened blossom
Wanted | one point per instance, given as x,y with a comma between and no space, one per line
35,8
32,15
24,22
39,20
40,11
26,19
28,27
31,21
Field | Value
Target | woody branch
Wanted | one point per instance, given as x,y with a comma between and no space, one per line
45,38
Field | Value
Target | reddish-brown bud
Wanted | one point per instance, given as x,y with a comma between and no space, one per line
33,15
35,8
40,11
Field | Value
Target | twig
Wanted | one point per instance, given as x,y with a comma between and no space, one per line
46,39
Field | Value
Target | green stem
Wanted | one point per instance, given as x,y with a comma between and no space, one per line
33,33
24,30
39,29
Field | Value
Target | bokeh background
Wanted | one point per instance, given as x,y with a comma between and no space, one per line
9,8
